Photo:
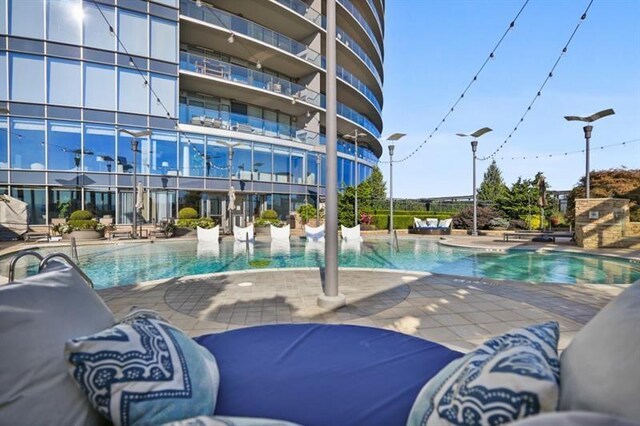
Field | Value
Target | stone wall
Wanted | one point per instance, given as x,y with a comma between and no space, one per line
604,222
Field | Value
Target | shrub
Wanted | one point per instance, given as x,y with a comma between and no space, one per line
306,212
533,221
464,219
81,215
187,213
78,225
498,223
518,224
558,219
270,215
366,218
203,222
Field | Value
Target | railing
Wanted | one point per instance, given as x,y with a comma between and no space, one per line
374,11
303,9
360,53
353,81
219,69
363,22
243,26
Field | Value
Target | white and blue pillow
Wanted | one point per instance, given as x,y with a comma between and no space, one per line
508,377
144,371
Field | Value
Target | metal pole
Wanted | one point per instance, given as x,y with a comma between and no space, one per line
390,190
357,217
587,137
134,146
229,165
317,188
474,232
331,298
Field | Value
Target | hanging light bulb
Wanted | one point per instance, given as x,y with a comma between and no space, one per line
308,114
113,33
231,39
199,3
258,65
131,63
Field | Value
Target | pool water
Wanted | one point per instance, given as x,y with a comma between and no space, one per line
124,264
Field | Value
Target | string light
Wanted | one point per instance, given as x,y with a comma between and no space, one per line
539,92
231,39
464,92
564,154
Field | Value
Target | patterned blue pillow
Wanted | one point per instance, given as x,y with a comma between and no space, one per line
508,377
144,371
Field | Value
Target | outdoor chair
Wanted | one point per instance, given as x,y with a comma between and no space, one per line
280,233
241,234
351,234
314,233
209,235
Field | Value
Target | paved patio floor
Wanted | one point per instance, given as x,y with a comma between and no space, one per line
459,312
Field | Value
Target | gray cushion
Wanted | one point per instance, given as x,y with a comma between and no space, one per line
600,370
37,316
574,418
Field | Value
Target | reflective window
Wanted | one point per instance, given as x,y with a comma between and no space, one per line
192,161
281,166
173,3
163,40
99,86
323,170
165,89
132,92
125,207
132,30
164,153
163,205
262,163
242,162
62,202
297,166
96,30
3,16
312,168
124,160
64,20
4,76
27,144
36,208
64,82
100,142
4,139
100,203
280,203
27,18
217,155
27,78
64,145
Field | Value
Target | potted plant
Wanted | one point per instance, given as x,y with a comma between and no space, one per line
81,226
306,212
63,210
268,218
188,222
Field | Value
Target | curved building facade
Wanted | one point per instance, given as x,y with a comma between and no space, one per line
231,91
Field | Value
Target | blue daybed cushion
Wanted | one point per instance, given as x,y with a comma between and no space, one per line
315,374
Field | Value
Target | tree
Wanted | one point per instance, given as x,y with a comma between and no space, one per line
371,192
492,187
521,200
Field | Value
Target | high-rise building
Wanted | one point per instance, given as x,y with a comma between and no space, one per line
231,90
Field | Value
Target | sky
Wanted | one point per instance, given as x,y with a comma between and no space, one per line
433,48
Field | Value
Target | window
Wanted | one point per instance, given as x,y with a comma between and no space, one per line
96,30
100,142
64,20
3,16
262,163
217,155
165,88
242,161
27,144
36,208
312,168
99,86
100,203
297,167
163,40
4,149
132,92
173,3
125,153
281,165
63,201
4,75
64,147
192,156
27,18
64,82
164,153
27,78
132,30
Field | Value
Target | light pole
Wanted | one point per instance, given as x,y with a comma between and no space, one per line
474,147
391,139
354,136
587,136
134,148
317,150
230,147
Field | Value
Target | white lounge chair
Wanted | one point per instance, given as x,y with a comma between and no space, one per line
243,234
445,223
314,234
208,235
280,233
351,234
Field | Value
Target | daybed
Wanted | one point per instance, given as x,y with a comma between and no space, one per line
431,226
310,374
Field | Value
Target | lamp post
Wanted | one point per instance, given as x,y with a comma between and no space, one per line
391,139
230,147
587,136
354,136
474,147
134,148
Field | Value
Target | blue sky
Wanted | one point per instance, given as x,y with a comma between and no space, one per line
434,47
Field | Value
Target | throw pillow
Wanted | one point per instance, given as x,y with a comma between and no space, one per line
144,371
508,377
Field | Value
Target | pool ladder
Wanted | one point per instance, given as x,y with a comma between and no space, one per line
396,244
43,262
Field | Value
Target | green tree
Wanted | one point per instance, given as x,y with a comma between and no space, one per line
492,187
371,192
521,200
346,203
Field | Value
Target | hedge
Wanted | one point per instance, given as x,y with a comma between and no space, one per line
81,215
187,213
416,213
381,221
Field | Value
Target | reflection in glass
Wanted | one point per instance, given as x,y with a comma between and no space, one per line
100,203
64,82
132,31
4,148
312,168
297,166
242,164
35,198
27,18
27,144
99,83
164,153
125,154
281,165
262,163
64,20
217,156
64,146
99,148
132,92
96,30
192,157
27,82
62,202
163,205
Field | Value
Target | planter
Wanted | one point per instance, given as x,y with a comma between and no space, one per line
58,221
83,235
262,230
185,232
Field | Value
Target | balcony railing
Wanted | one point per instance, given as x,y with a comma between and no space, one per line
353,81
375,15
363,22
303,9
235,73
359,51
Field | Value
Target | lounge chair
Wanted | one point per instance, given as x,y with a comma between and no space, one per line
431,226
209,235
314,234
351,234
241,234
280,233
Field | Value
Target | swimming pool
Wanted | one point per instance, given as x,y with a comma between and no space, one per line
130,263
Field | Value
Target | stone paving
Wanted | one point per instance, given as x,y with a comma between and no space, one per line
460,312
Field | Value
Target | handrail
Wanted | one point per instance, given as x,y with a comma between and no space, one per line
74,248
69,262
353,10
395,240
14,260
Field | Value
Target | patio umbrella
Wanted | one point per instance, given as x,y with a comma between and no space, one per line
542,189
139,197
232,198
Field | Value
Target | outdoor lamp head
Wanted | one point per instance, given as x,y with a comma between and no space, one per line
391,148
134,144
587,131
474,146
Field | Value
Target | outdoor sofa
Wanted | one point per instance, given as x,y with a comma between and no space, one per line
431,226
309,374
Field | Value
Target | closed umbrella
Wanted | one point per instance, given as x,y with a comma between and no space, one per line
542,199
139,197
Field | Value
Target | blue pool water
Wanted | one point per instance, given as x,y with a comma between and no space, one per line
123,264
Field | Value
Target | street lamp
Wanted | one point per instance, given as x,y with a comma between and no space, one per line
134,147
474,147
391,139
354,136
587,136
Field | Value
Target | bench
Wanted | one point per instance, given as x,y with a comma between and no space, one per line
528,235
35,236
119,234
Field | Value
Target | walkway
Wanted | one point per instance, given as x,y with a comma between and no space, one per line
456,311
